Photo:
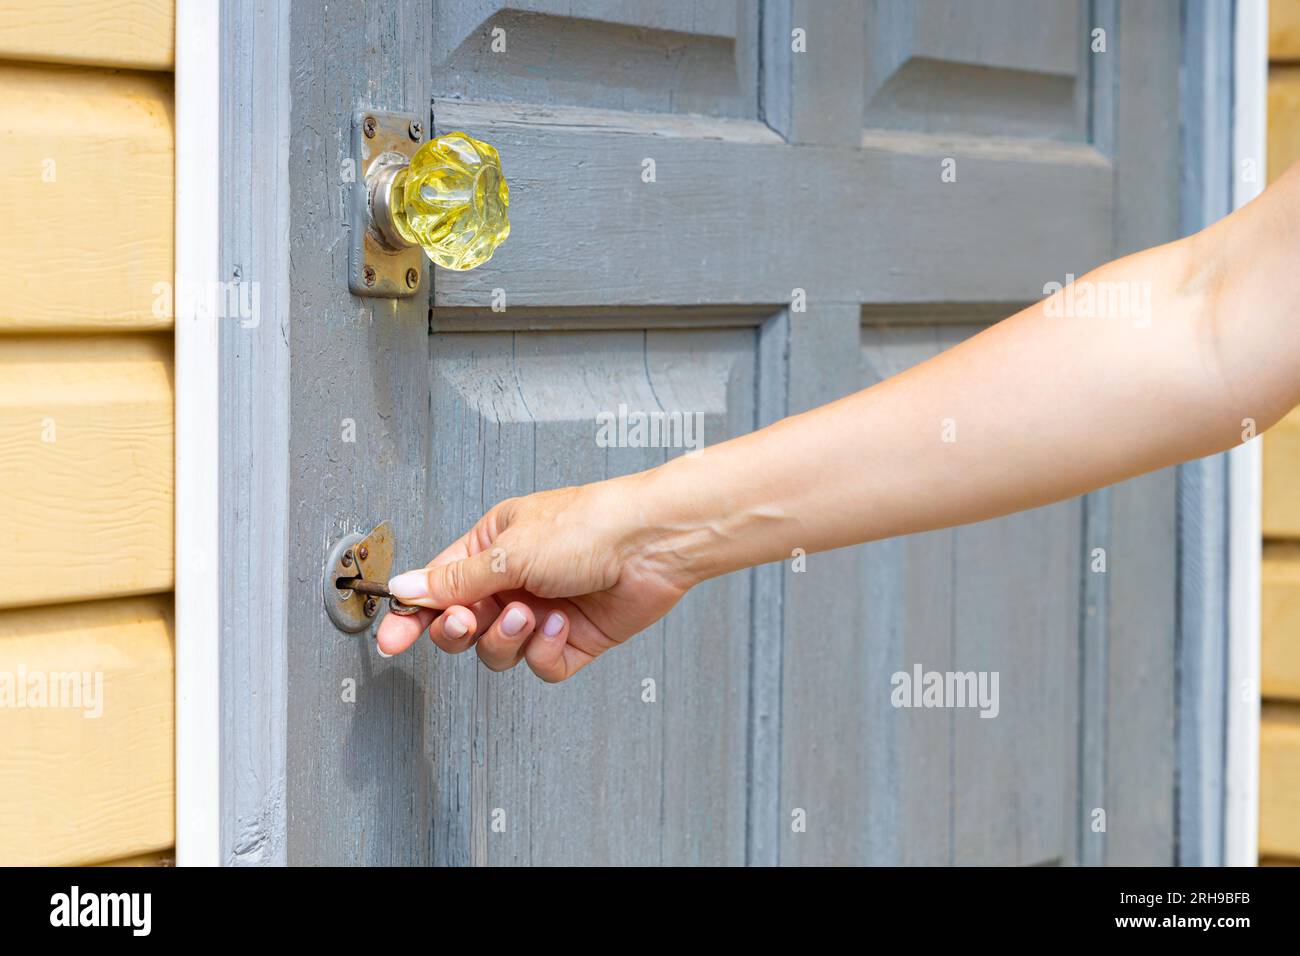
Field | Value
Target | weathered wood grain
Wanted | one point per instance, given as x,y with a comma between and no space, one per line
908,592
255,411
985,68
86,451
672,294
816,94
1203,572
518,413
1134,732
1015,613
947,785
91,782
733,238
86,198
819,682
359,785
662,57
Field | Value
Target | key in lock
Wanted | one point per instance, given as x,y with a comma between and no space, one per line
355,579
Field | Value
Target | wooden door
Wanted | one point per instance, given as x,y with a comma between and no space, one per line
731,211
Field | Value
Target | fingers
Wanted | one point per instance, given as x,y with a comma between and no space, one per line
502,645
397,633
514,635
453,630
549,655
458,581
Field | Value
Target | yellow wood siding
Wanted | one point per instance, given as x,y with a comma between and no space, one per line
1280,661
1283,30
86,451
130,33
1281,468
1279,799
78,787
86,432
162,858
1279,782
86,199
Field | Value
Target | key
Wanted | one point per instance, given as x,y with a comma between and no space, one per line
375,589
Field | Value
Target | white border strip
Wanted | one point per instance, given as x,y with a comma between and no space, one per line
1245,544
198,701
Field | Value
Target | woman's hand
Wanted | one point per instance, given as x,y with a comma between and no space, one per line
555,578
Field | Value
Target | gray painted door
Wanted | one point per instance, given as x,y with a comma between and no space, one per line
738,211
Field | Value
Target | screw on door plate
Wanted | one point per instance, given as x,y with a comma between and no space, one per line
355,579
381,143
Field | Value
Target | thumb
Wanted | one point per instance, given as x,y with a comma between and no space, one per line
464,581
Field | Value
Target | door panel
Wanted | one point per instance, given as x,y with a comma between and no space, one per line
593,770
668,57
797,241
1001,67
735,215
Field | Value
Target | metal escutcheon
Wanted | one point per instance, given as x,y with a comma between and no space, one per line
368,556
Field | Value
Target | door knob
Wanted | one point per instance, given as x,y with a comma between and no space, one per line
450,199
413,201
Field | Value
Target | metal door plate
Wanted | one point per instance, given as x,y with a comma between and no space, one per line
380,141
368,556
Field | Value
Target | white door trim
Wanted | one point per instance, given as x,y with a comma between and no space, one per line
196,377
1241,802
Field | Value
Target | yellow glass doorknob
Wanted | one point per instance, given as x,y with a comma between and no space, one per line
451,200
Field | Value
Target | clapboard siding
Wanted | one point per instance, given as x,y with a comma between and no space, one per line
1280,664
86,199
1279,812
1283,31
80,788
139,34
86,451
1279,783
1282,478
86,425
153,858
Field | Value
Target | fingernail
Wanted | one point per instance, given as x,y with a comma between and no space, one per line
454,627
513,622
411,586
381,650
554,624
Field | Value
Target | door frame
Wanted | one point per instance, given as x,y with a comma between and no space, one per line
196,372
232,431
1219,498
233,517
1245,475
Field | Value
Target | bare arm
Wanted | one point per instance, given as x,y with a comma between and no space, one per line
1053,402
1064,397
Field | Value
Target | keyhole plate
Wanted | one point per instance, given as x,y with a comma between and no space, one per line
368,556
381,139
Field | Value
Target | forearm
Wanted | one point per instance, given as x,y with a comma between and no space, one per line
1040,407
